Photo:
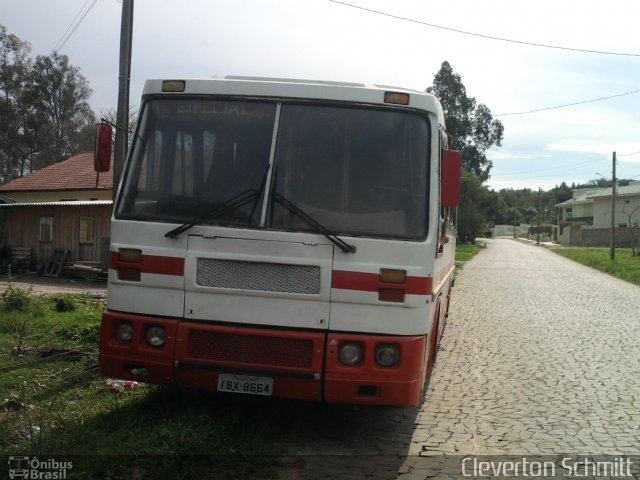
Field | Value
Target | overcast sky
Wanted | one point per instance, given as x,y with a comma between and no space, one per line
321,39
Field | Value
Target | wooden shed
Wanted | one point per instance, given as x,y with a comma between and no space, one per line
63,206
77,226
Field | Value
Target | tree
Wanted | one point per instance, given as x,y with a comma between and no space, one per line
475,207
472,126
60,95
16,139
562,193
473,131
44,111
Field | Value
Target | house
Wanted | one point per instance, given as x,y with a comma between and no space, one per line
66,206
573,214
627,203
586,218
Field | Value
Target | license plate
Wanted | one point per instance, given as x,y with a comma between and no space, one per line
245,384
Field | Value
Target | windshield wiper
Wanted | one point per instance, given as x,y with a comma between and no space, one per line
237,201
337,241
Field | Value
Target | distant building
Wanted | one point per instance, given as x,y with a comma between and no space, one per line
72,179
66,206
586,218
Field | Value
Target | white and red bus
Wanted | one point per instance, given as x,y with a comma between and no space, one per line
282,237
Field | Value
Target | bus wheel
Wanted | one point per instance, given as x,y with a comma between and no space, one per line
432,347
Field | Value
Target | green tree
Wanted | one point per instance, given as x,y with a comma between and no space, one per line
16,138
44,111
473,131
473,128
561,193
475,207
60,97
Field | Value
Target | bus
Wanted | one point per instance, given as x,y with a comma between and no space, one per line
283,238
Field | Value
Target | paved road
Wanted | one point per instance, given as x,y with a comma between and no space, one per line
540,356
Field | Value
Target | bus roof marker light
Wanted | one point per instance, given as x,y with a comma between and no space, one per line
396,98
173,86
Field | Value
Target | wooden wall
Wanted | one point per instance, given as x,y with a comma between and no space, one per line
22,228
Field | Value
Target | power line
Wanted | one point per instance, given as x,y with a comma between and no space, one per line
629,154
570,166
546,175
489,37
61,43
568,104
55,49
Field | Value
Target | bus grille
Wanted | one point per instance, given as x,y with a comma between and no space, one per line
274,351
266,277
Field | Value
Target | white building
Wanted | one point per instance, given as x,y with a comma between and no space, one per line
627,203
586,218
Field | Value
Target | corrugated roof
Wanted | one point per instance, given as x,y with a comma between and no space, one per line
71,203
75,173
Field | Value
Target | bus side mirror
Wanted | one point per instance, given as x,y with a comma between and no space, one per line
102,150
450,178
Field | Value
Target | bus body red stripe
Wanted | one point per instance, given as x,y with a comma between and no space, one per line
157,264
163,265
370,282
340,279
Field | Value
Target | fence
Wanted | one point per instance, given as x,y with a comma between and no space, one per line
601,237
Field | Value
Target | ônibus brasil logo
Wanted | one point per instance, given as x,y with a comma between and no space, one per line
34,469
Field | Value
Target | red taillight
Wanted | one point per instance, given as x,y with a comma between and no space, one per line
128,263
391,295
129,274
392,283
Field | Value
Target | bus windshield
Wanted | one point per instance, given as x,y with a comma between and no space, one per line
359,171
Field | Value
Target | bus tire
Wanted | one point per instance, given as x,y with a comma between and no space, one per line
432,344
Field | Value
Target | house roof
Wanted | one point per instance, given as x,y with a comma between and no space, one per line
75,173
70,203
632,189
588,196
577,200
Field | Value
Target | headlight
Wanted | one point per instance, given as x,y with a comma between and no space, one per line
387,355
155,336
350,353
124,332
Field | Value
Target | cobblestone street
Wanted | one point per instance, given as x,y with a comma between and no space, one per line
540,356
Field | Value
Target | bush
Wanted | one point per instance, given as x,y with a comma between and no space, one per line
15,299
64,303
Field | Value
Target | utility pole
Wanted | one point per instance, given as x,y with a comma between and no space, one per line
539,205
124,77
612,254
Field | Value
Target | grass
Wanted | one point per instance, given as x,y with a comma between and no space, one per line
625,266
465,252
146,432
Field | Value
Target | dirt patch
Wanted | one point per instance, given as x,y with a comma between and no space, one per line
50,285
